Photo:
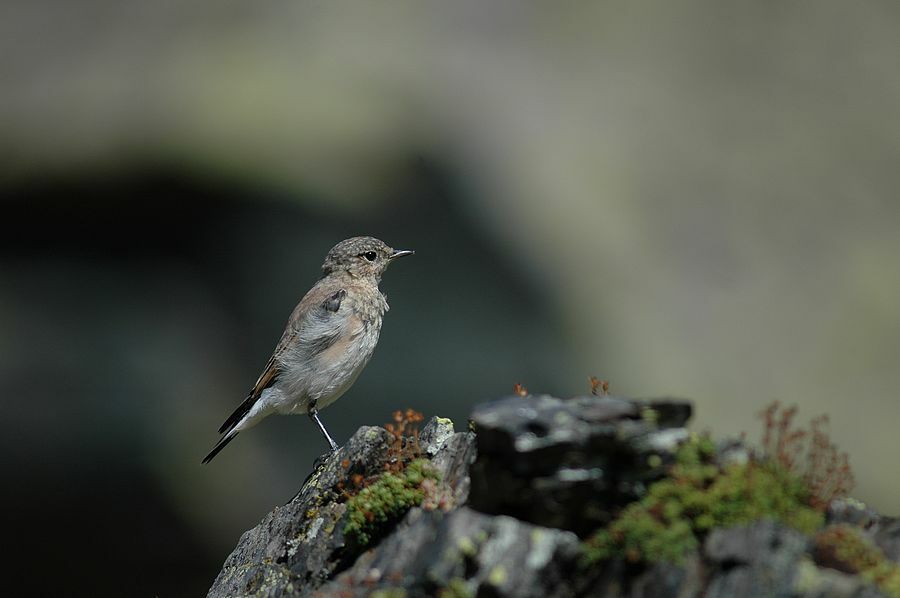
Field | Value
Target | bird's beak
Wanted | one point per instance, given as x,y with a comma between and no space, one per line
401,252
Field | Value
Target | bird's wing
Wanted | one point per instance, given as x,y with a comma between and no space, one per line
305,325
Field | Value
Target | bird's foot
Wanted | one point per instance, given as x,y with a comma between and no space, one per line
321,460
318,465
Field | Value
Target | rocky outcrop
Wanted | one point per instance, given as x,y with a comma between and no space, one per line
570,463
300,546
512,521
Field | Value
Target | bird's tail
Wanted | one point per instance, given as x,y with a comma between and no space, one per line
223,441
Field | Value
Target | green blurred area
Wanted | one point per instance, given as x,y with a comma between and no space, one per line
687,199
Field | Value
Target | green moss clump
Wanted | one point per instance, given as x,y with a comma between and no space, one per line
844,547
383,502
698,495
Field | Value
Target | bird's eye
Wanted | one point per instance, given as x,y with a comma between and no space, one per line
370,255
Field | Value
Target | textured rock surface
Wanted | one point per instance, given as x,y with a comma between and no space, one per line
466,550
299,546
756,560
569,463
547,470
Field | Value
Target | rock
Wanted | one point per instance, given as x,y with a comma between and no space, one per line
298,543
299,546
887,537
570,463
818,582
884,531
615,578
468,552
547,472
755,560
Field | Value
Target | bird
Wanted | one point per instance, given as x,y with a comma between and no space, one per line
328,340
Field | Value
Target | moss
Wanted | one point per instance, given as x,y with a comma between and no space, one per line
382,503
846,548
389,593
677,512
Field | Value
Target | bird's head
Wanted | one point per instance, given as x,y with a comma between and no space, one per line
361,257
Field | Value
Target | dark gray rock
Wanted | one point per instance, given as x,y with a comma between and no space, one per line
852,511
887,537
468,551
299,546
754,560
569,463
616,578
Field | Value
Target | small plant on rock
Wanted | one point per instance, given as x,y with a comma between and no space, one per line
794,479
699,495
385,500
407,481
808,454
404,447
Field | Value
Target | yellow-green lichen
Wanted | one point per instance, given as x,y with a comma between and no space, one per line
679,510
456,588
266,578
650,415
383,502
807,579
497,576
467,547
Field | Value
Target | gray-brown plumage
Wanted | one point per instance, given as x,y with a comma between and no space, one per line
327,342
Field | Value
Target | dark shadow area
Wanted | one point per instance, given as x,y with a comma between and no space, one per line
139,308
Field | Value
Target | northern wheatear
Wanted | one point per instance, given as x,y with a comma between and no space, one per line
328,340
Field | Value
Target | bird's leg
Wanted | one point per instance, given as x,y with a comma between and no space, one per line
314,415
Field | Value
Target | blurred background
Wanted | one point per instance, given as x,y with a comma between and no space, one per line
686,199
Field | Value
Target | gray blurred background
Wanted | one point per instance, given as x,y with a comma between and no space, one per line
687,199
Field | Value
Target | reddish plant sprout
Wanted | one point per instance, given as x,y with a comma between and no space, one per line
781,443
520,390
403,448
809,454
599,387
404,443
828,472
356,483
342,488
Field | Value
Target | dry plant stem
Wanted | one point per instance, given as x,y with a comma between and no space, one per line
809,454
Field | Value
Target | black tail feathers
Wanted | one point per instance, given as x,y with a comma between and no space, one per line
239,413
223,441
